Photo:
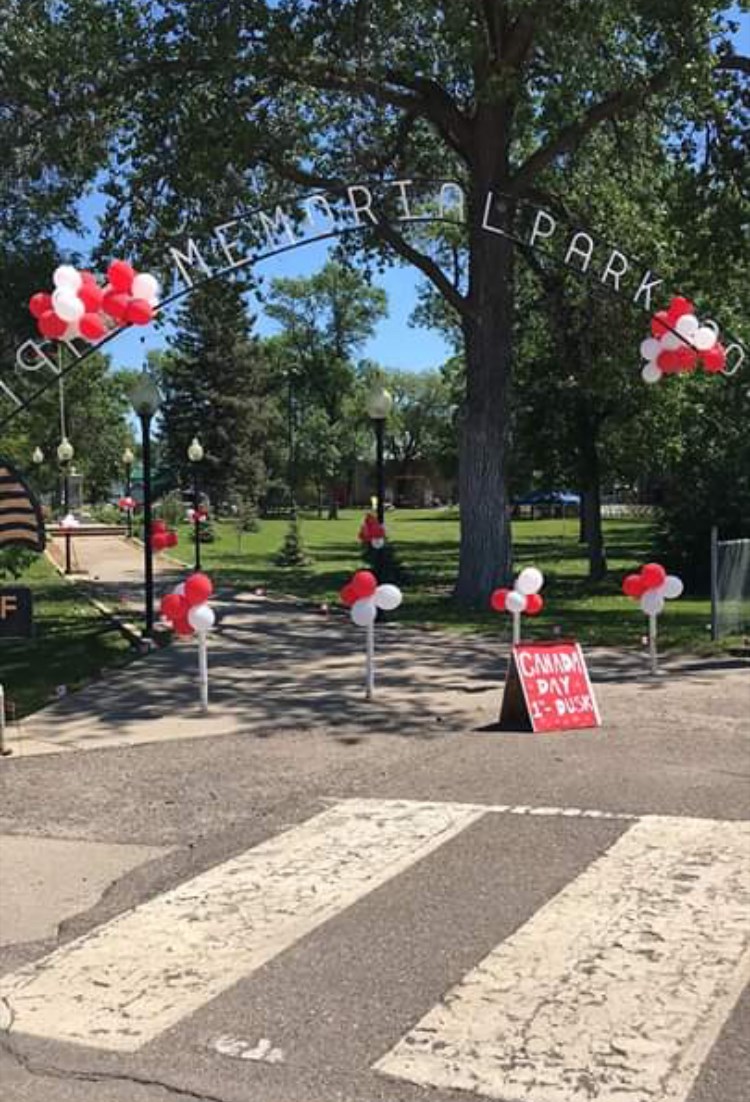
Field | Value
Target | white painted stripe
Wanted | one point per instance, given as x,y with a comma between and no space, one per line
526,809
124,983
615,990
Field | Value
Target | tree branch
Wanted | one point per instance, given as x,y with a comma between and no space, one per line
569,137
381,229
735,62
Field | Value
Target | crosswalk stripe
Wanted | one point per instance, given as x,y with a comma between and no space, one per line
616,989
124,983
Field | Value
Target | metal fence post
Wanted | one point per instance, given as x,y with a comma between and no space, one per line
714,583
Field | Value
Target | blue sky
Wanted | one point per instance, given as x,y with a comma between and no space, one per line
395,343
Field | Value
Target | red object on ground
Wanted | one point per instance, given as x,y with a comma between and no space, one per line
548,689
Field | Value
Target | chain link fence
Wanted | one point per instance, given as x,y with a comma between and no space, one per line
730,586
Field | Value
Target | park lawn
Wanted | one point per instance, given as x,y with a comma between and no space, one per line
427,546
73,643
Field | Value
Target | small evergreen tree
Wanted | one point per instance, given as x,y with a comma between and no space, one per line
214,381
292,552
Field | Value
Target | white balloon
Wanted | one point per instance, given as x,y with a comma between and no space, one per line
529,581
687,326
704,338
363,612
651,373
201,618
652,602
515,601
67,304
179,589
388,597
67,276
650,348
671,340
671,587
146,286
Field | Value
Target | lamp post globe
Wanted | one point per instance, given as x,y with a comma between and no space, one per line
195,454
379,403
37,456
145,400
65,453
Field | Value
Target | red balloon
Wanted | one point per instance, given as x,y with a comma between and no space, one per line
652,575
632,586
534,604
660,323
90,294
714,359
686,358
139,312
669,360
121,275
198,588
182,625
88,277
173,606
679,306
171,539
158,525
115,303
51,326
363,584
347,595
40,303
158,541
92,327
497,599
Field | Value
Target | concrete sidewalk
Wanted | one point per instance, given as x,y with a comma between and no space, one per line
276,666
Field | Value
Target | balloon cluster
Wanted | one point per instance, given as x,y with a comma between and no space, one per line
161,536
364,597
79,308
127,504
186,608
197,516
679,343
651,586
523,597
372,531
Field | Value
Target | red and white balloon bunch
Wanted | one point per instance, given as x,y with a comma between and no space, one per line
523,597
651,586
186,608
679,343
363,596
372,532
128,505
161,536
79,308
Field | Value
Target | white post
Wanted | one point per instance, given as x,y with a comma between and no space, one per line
203,668
370,661
516,628
652,644
2,720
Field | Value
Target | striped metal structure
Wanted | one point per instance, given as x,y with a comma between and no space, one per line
21,522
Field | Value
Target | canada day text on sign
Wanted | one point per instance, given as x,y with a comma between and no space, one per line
255,235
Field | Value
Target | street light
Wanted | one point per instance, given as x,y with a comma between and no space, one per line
145,400
37,456
127,460
65,453
195,455
379,405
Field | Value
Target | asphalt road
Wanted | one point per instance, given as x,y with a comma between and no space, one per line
353,905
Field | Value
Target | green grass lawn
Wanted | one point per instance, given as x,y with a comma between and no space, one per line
427,544
73,643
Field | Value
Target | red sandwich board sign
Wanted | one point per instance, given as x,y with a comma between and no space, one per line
548,689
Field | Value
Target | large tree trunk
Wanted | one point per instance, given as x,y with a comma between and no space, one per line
485,557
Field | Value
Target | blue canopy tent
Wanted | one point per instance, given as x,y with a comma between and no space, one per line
550,502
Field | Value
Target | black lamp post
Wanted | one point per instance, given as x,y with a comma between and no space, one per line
195,455
127,461
146,399
379,405
65,454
